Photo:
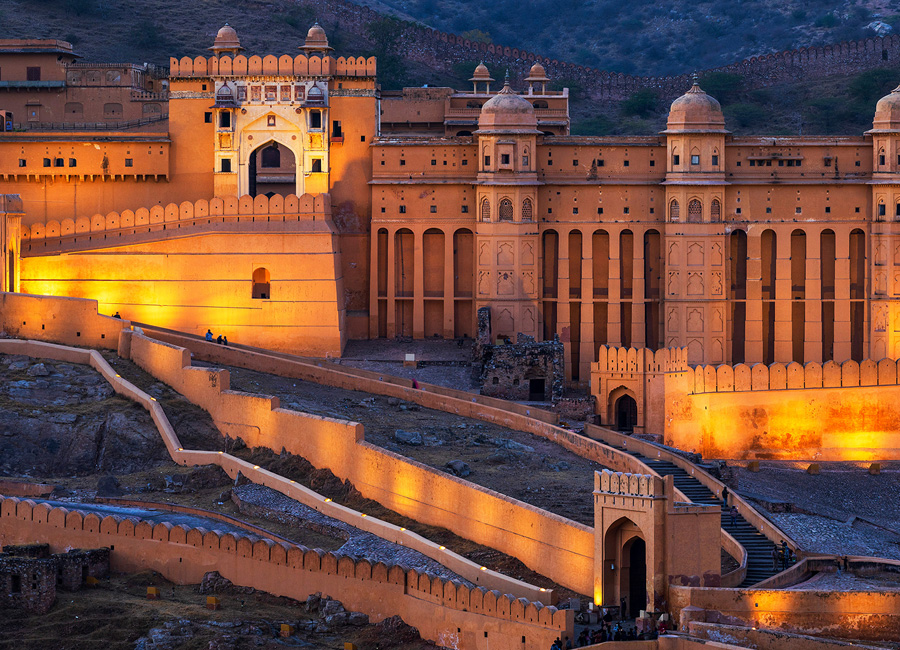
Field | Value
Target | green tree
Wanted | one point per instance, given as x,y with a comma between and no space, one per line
870,86
724,86
477,36
642,103
746,115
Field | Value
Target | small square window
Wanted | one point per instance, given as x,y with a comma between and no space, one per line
433,209
653,163
781,163
651,210
402,162
226,165
59,162
676,160
768,210
129,162
857,210
203,87
753,163
828,162
433,162
798,210
316,165
445,163
504,158
383,210
549,162
574,163
881,210
362,138
465,209
549,210
828,209
626,163
207,117
881,159
737,211
626,210
715,160
574,210
465,162
73,162
382,163
738,163
487,161
22,162
402,209
599,210
270,120
46,162
695,159
857,163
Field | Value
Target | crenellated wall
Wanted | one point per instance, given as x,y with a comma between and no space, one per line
830,411
285,66
446,612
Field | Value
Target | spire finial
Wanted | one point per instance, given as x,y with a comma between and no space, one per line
695,79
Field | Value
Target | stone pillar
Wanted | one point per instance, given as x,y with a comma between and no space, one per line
812,347
449,287
638,312
391,284
614,327
587,306
842,294
418,284
753,351
783,315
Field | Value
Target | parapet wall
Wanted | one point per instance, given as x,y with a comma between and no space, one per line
270,65
72,321
445,611
792,376
557,547
640,360
308,207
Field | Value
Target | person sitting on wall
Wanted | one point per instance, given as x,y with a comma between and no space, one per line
219,339
116,315
224,340
209,335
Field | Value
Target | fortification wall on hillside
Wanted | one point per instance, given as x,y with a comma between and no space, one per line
442,50
447,612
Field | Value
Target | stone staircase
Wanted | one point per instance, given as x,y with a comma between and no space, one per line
758,546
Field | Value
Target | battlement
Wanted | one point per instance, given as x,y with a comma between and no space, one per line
270,65
308,207
639,360
625,484
270,560
792,376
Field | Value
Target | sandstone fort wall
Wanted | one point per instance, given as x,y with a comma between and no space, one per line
436,607
270,65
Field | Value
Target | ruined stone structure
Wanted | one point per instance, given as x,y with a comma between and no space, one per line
30,574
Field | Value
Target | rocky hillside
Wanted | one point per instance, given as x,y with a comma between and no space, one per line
60,419
827,91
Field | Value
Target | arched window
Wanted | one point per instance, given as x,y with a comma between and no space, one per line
74,108
676,159
271,157
112,110
540,103
506,210
674,212
485,210
882,211
527,210
695,211
881,158
261,279
715,211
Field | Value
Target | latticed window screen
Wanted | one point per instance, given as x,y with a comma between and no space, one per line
526,210
715,211
695,211
506,210
485,210
674,211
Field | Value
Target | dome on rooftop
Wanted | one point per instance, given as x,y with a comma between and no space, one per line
887,112
481,73
226,40
316,40
537,73
696,111
507,111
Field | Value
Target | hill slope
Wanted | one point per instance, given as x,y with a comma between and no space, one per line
672,36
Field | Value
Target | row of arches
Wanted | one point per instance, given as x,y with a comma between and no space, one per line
506,210
695,211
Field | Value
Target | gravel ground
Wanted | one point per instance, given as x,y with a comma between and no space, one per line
513,463
360,543
850,582
817,534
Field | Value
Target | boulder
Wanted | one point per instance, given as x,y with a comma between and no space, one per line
459,468
413,438
38,370
108,486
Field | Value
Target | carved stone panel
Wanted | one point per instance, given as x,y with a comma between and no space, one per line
484,254
484,283
695,320
695,283
695,254
505,283
715,254
527,253
505,255
673,254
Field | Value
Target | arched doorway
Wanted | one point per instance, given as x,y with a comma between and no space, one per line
625,413
635,552
537,385
272,170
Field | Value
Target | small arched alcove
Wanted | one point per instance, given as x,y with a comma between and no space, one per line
262,284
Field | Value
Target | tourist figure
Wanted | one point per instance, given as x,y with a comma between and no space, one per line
224,340
725,495
219,339
734,513
116,315
774,558
209,335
